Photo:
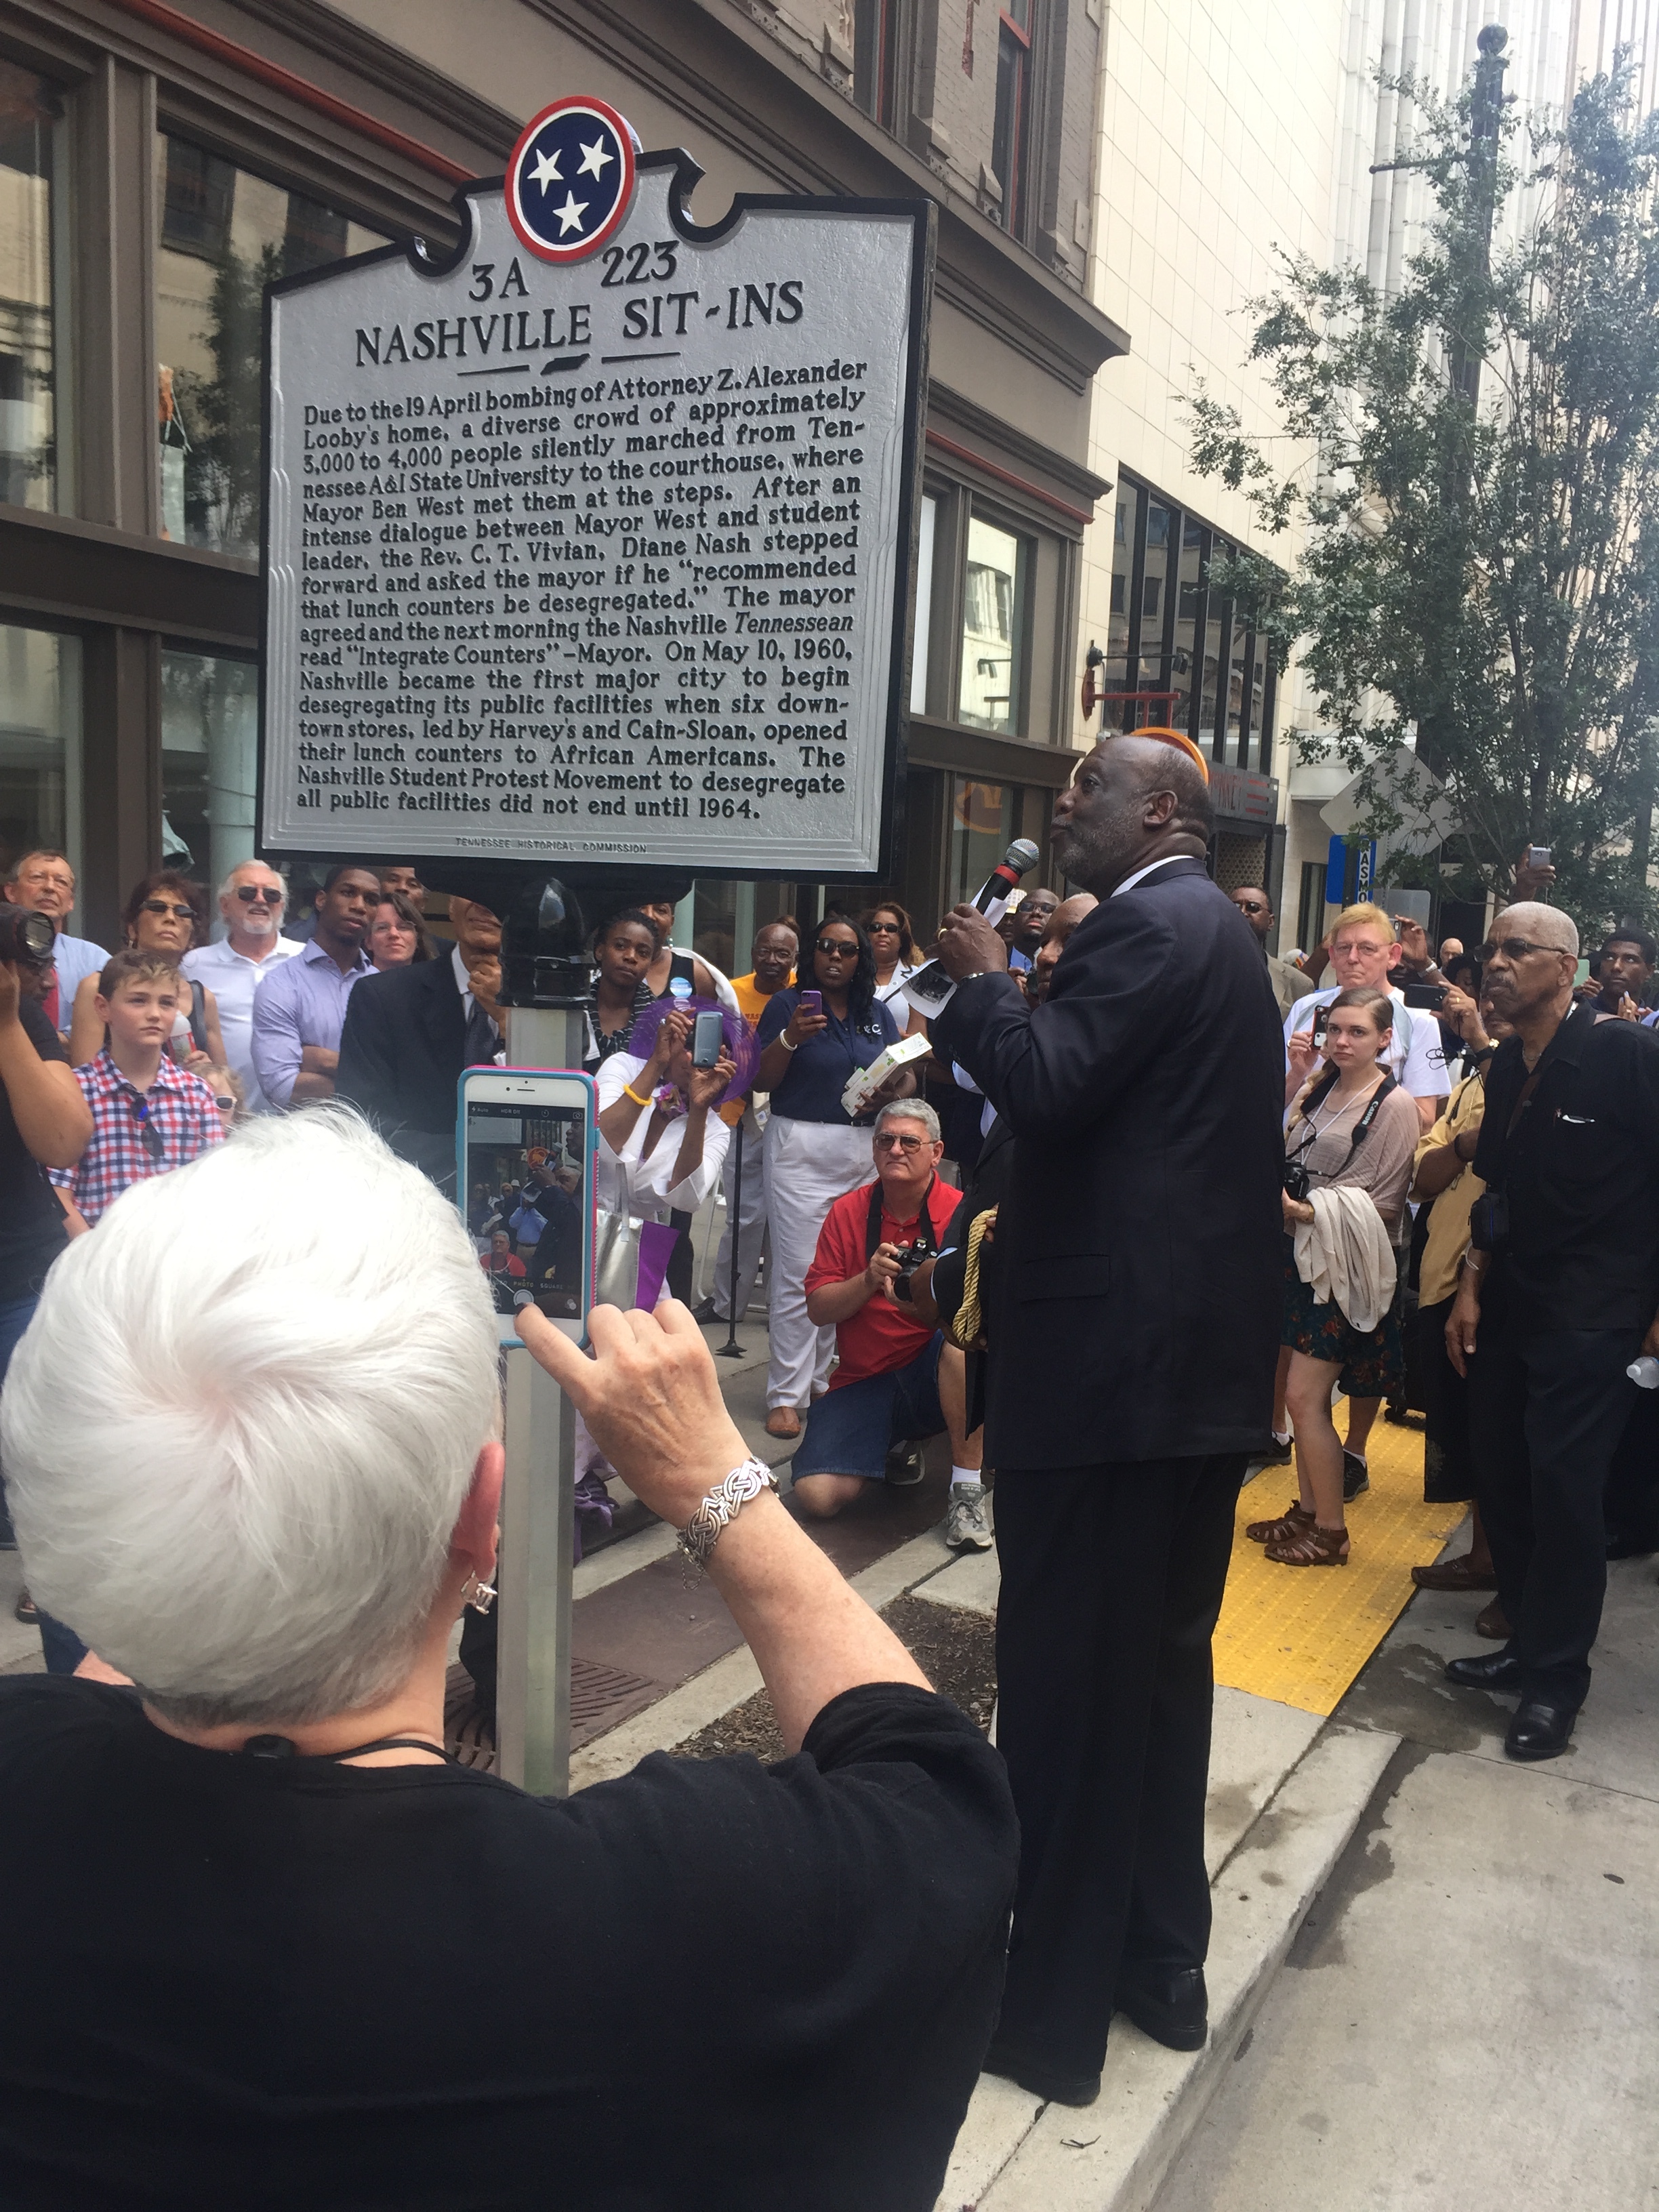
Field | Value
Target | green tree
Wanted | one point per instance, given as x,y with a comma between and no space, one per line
1480,559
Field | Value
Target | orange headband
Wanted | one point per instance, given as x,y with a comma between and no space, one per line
1165,736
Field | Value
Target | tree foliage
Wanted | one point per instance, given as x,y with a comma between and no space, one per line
1484,573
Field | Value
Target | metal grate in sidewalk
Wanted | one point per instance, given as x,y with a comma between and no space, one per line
600,1697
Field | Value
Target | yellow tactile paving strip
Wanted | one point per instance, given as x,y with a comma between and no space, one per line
1299,1635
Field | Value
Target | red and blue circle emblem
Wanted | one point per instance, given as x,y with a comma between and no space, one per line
570,180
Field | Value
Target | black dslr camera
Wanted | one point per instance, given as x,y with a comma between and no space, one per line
1297,1185
26,937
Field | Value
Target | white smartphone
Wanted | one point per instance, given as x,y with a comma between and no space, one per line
526,1142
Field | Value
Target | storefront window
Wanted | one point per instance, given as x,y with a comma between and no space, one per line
31,150
39,743
210,733
225,235
981,827
1189,591
993,623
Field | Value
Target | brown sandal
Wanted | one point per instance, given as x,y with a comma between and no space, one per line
1290,1522
784,1423
1313,1548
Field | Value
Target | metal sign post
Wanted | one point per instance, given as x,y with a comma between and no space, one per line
539,1543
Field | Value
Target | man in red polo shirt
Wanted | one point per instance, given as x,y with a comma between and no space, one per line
898,1382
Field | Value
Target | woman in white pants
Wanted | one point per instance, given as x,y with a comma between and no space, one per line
814,1152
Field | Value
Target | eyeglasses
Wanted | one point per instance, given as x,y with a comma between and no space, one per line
1251,906
249,892
1513,948
165,906
148,1136
886,1142
833,949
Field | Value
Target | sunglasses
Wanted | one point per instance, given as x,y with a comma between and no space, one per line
165,906
887,1142
249,892
149,1135
1250,906
833,949
1513,948
881,928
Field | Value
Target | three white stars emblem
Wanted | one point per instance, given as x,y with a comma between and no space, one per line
570,214
546,170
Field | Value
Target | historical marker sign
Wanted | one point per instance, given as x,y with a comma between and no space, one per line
594,544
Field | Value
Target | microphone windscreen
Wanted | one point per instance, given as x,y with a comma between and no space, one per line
1021,856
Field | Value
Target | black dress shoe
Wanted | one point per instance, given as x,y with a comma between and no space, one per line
1172,2006
1632,1547
1041,2077
1541,1730
704,1311
1494,1670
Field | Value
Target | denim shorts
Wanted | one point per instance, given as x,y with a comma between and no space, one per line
852,1429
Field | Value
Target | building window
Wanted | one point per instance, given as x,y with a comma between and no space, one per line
1176,655
921,629
225,233
875,59
981,827
1011,133
39,743
994,622
209,748
31,366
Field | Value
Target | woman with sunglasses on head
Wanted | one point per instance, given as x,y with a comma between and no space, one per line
887,926
814,1035
167,914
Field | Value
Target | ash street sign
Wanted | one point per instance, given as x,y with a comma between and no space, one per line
594,542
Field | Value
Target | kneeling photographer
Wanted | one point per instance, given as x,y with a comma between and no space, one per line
898,1382
45,1122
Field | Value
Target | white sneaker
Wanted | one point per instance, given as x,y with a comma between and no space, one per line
966,1526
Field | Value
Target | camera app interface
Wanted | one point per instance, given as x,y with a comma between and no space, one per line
524,1203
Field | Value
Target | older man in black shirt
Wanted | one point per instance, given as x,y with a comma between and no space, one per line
1558,1296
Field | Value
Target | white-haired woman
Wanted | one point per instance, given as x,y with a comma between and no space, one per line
281,1951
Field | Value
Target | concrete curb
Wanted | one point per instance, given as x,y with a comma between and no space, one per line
714,1693
1015,2154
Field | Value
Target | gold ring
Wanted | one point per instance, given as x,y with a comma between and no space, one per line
941,929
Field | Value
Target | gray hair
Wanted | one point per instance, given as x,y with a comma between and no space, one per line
912,1109
229,882
1543,924
240,1427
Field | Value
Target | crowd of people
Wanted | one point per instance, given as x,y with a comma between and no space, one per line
1135,1210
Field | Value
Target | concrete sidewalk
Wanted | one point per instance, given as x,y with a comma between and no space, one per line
1471,2011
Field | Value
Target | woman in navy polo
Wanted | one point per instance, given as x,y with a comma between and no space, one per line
814,1150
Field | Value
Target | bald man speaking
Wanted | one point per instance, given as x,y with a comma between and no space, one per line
1138,1285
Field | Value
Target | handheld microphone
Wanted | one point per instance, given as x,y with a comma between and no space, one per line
930,990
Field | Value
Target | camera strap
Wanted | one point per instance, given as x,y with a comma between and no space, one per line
924,1243
1362,1127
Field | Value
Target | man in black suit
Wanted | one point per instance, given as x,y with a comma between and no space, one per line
1132,1341
403,1050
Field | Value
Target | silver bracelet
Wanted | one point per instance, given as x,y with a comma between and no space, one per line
723,1503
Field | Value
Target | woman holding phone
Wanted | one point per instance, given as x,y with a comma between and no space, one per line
814,1035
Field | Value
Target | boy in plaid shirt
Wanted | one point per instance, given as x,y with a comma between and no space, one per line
149,1115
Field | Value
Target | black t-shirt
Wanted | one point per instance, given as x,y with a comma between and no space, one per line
708,1983
32,1232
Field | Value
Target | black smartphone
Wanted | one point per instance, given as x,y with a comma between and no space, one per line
1430,995
707,1034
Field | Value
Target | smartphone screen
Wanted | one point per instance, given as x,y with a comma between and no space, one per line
526,1180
